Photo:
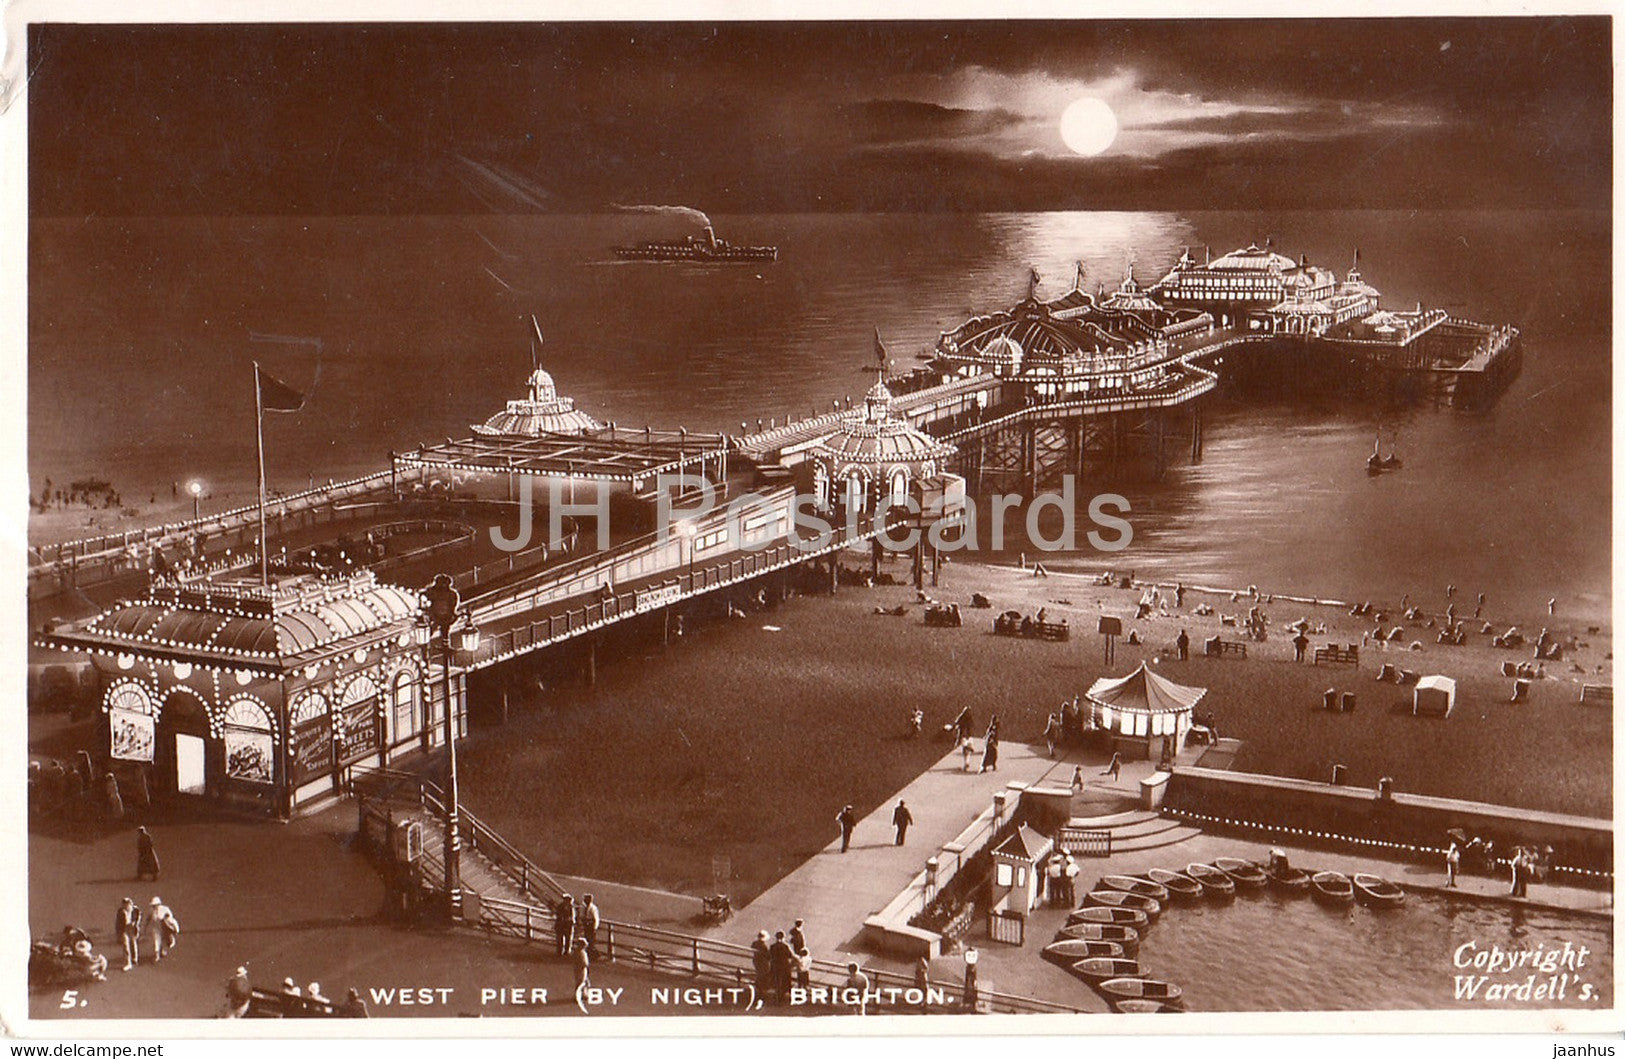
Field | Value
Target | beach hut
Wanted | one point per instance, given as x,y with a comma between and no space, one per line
1141,710
1434,695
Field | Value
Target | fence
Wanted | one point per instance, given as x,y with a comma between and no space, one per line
1084,841
631,944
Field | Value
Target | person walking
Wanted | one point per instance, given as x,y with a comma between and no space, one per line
1115,768
1183,644
564,923
166,930
587,920
581,962
847,820
1452,863
146,855
1300,644
1516,865
966,750
900,819
127,928
990,756
1052,733
1077,779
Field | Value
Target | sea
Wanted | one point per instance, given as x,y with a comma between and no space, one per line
142,332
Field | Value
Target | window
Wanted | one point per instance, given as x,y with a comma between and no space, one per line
403,706
131,726
249,753
1005,876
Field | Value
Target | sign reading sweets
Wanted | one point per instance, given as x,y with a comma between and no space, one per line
656,598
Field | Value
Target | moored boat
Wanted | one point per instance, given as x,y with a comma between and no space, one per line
1287,879
1123,917
1376,891
1333,887
1179,885
1069,950
1134,1006
1119,899
1215,883
1142,989
1244,873
1100,968
1130,884
1127,937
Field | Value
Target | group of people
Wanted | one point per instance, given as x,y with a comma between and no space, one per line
575,933
781,962
76,788
289,1001
1060,881
159,921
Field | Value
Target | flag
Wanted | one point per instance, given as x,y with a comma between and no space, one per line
881,355
1033,272
276,395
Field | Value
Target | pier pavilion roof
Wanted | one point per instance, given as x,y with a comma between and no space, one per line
239,624
1252,258
610,454
543,411
874,435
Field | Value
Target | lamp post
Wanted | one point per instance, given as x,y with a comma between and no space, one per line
442,612
195,487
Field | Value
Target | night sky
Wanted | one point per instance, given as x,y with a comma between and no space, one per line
800,117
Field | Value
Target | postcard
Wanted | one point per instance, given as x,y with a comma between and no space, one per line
689,525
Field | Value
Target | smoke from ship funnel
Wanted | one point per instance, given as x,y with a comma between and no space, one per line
686,212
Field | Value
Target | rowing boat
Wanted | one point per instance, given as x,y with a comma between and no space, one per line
1068,950
1123,917
1378,892
1127,937
1119,899
1288,880
1130,884
1215,883
1141,989
1333,887
1100,968
1180,887
1244,873
1132,1006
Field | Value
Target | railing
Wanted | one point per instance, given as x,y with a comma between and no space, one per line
617,942
1084,841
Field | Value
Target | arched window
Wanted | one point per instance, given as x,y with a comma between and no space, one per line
854,492
132,733
899,486
359,708
403,714
246,728
821,485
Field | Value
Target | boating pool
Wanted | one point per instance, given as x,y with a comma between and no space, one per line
1270,953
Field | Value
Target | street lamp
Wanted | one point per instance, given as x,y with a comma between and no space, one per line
195,487
442,613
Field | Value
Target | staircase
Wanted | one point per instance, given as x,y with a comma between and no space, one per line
1137,829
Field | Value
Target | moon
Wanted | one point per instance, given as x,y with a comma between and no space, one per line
1088,126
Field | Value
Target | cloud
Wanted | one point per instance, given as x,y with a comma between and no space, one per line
912,120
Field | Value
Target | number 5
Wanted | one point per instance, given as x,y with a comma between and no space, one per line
70,999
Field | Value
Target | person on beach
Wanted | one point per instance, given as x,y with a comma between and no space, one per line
846,819
146,856
1115,768
1452,863
1300,644
1182,643
900,819
1179,595
127,928
1551,606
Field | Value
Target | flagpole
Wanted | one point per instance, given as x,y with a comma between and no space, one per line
259,437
